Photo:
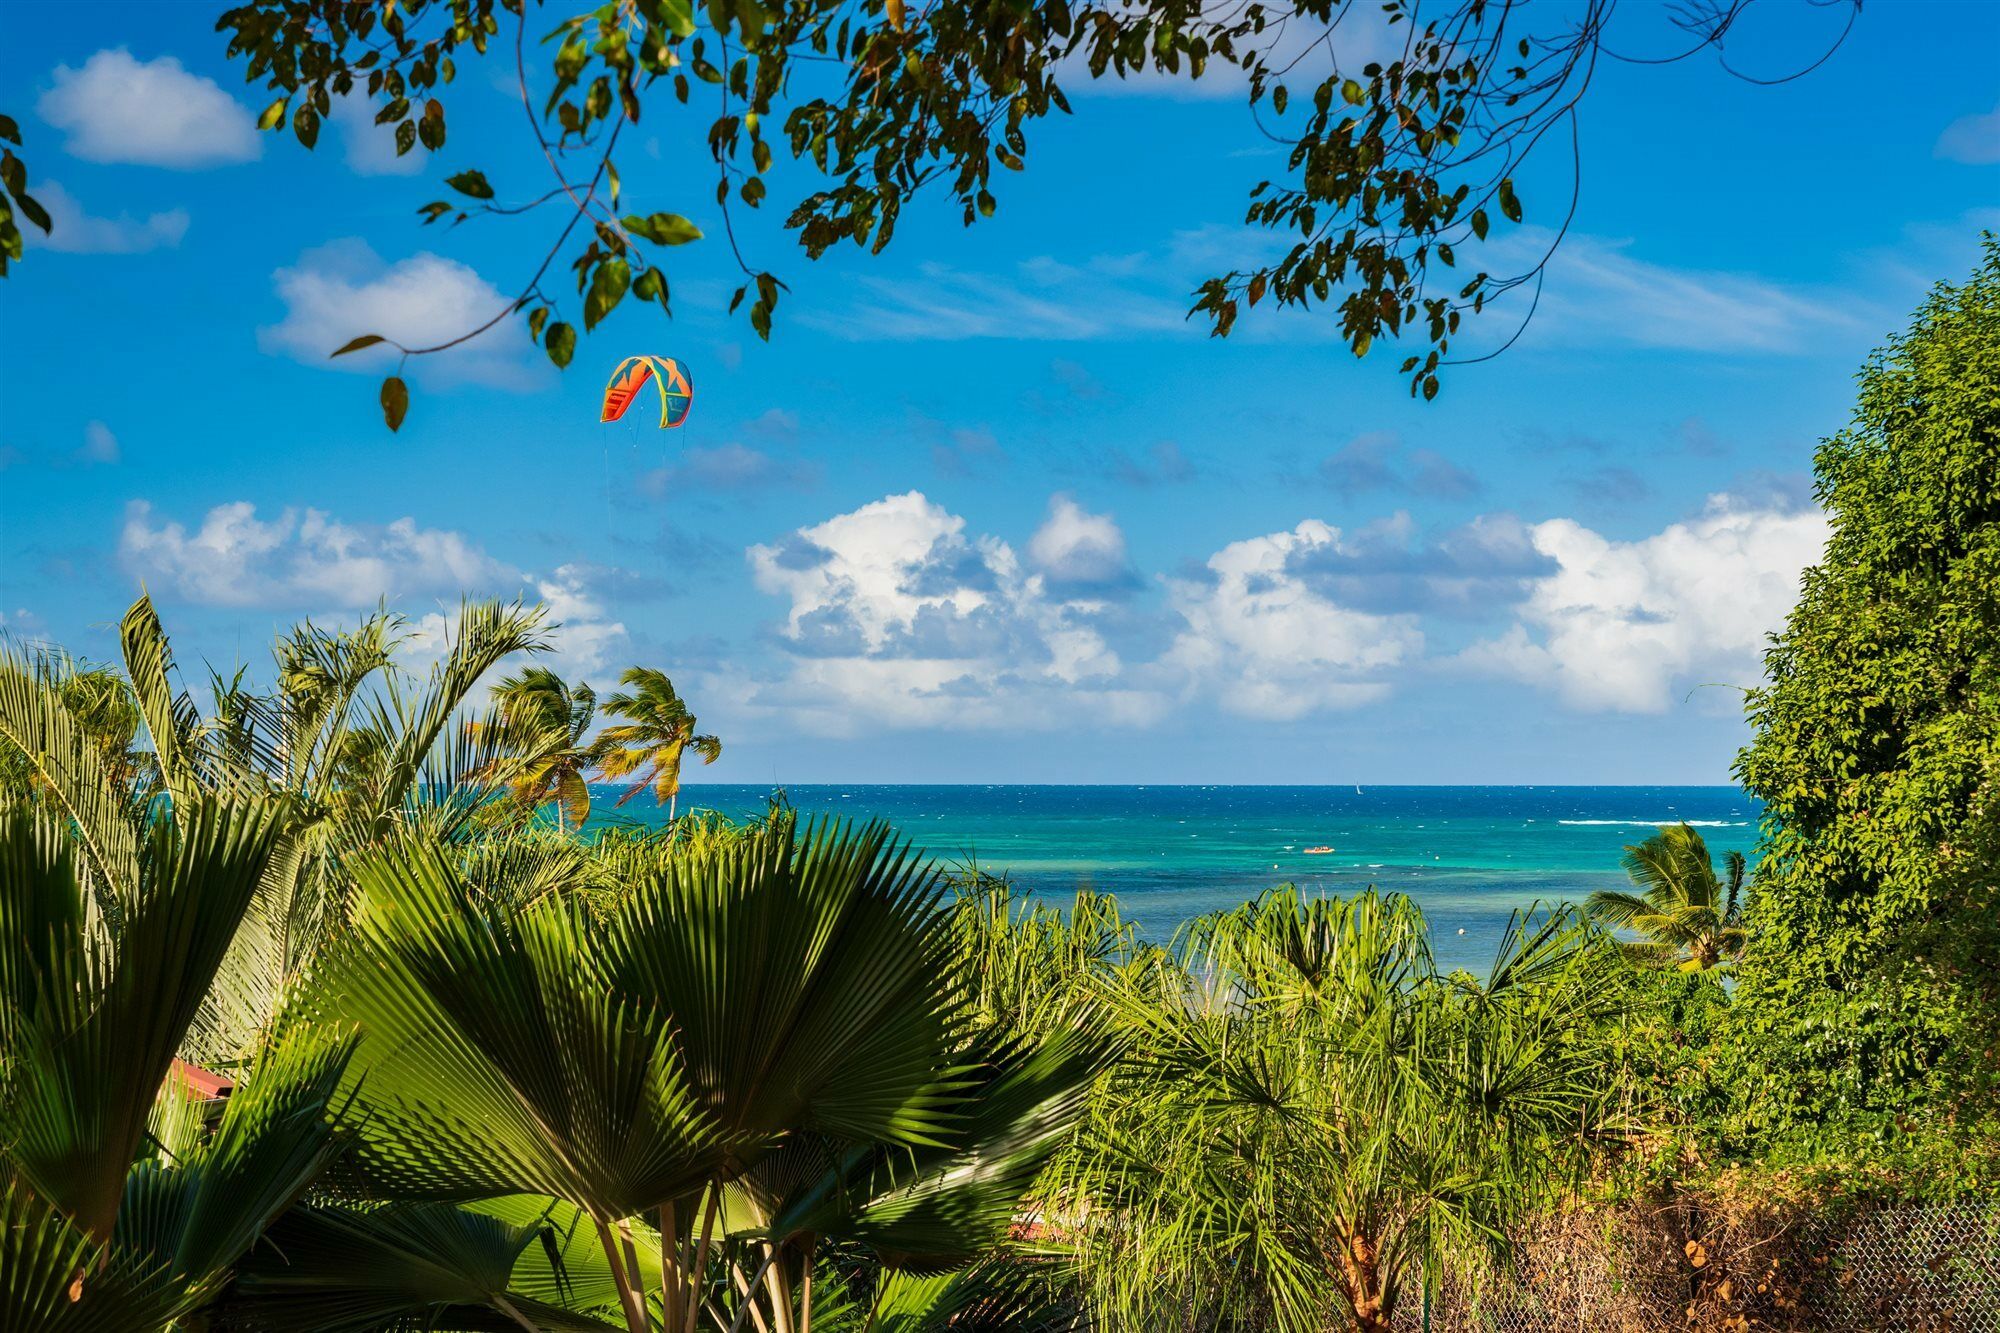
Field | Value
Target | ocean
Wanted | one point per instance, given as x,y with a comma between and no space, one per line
1468,855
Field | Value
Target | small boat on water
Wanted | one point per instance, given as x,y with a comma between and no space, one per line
1318,851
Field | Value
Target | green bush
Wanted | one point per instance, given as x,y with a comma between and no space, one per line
1867,1024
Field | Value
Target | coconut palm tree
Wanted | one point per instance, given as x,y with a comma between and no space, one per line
650,743
545,720
1686,915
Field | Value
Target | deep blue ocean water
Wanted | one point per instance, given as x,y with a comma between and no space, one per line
1468,855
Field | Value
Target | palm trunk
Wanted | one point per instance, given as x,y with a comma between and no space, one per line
1362,1276
629,1300
698,1271
671,1277
775,1279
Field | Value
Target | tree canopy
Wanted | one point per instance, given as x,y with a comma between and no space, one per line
1405,129
1871,989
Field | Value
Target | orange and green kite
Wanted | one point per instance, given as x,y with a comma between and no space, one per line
676,388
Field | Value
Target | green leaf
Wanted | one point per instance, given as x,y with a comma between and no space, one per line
537,318
1479,223
1509,205
13,172
274,114
9,130
651,286
561,343
607,289
679,15
395,401
305,125
355,345
663,228
35,212
1353,93
471,183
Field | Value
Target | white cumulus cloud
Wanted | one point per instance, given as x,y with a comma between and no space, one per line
74,231
302,559
1625,625
341,290
898,617
1268,645
1079,552
149,112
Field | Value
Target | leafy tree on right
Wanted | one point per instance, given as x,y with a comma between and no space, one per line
1869,1010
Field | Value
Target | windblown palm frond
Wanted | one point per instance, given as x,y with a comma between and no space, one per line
935,1208
71,773
650,744
1686,915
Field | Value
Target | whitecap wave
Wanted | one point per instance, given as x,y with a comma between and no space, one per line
1658,823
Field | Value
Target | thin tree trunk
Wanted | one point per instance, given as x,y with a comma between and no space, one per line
750,1294
635,1310
632,1267
699,1269
781,1291
671,1278
806,1289
746,1291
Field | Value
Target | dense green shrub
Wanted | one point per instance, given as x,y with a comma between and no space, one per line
1867,1024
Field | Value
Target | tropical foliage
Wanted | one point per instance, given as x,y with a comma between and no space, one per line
1686,915
547,725
297,1041
1870,993
1315,1119
655,734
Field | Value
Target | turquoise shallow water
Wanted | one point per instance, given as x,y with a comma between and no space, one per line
1468,855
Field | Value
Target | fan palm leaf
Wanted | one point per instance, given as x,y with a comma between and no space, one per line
94,1044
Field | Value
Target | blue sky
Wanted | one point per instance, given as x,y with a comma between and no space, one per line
986,508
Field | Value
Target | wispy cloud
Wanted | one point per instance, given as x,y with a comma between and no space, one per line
76,231
1973,139
301,558
1599,292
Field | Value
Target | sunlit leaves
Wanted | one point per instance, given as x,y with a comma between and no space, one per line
14,179
607,289
663,228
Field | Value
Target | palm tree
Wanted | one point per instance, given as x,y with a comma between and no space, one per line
1688,917
545,720
658,730
1317,1119
747,1080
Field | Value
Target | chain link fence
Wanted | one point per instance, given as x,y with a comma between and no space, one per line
1933,1269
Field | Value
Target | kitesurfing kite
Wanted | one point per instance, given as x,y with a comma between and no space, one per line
676,388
